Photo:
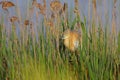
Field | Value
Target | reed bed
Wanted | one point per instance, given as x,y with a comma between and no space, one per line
38,53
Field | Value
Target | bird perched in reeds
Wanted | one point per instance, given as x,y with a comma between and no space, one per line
72,39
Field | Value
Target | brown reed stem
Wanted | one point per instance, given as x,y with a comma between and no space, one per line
114,19
77,8
114,27
94,10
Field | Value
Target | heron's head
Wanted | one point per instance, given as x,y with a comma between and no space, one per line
66,34
72,39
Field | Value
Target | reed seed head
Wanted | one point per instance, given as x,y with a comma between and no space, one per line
6,4
13,19
42,8
26,22
55,6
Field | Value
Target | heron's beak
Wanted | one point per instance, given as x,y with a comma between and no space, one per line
65,37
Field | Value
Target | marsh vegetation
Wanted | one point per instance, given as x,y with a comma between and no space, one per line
38,53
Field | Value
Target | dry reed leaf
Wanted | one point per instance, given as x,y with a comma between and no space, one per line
6,4
13,19
64,8
55,6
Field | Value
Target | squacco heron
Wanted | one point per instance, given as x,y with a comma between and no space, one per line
72,39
